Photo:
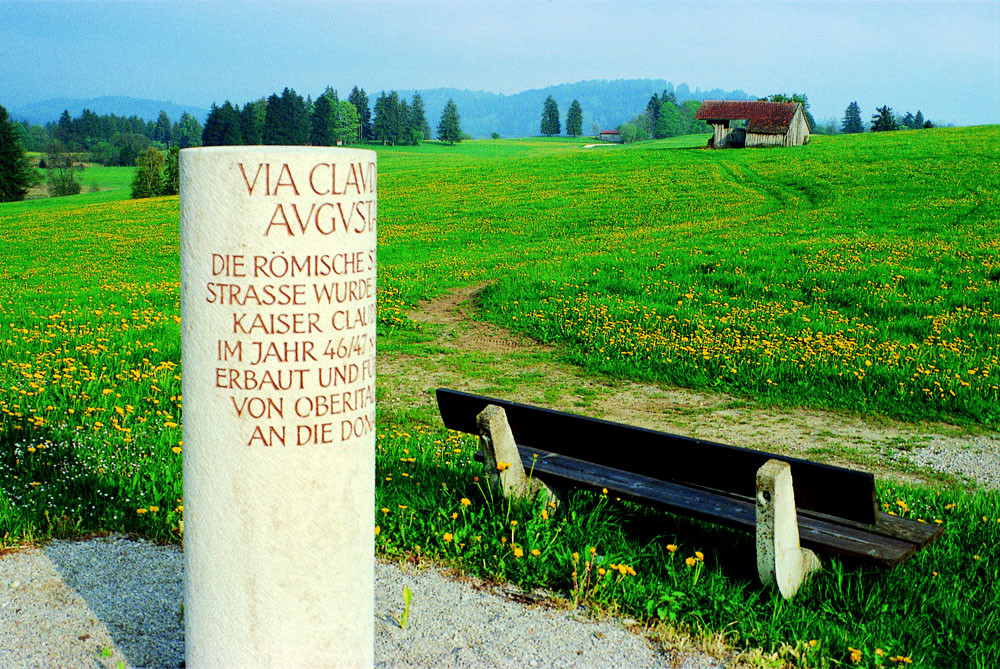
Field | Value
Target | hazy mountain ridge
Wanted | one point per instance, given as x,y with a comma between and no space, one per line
607,103
49,110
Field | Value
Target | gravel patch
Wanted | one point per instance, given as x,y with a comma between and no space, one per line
99,602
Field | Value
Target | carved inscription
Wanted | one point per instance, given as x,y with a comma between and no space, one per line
296,356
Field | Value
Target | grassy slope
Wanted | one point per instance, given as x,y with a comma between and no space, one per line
640,239
858,272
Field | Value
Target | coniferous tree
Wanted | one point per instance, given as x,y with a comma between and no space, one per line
852,119
653,109
161,131
210,134
187,131
275,121
418,119
918,120
668,122
884,120
15,171
574,119
550,117
359,99
382,121
252,121
401,121
298,117
171,172
450,129
229,120
64,133
324,122
286,120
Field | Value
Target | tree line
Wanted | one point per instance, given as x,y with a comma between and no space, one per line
290,119
883,120
663,117
109,139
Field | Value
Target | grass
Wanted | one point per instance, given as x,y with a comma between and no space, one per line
795,268
93,179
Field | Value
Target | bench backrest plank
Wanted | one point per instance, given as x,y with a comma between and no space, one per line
825,489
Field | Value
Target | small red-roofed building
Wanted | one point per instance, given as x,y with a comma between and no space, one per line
739,123
610,136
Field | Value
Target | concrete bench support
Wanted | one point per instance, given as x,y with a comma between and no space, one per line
780,559
503,459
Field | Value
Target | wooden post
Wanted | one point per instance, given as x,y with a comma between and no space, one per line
780,559
278,260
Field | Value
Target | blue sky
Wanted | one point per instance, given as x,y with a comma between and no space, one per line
940,57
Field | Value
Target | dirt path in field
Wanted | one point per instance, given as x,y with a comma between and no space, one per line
471,355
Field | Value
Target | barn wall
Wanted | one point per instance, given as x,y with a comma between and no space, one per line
759,139
720,132
798,130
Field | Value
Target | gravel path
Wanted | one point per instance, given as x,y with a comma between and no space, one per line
103,601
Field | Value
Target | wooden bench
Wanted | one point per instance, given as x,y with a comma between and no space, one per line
834,508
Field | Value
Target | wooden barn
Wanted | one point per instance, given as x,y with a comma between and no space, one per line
740,123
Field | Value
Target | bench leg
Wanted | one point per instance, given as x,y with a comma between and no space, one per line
503,460
780,559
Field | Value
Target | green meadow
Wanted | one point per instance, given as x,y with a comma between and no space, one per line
859,274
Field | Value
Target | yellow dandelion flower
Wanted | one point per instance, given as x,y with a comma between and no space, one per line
465,501
378,530
601,571
855,654
700,556
454,515
536,552
690,561
177,450
671,548
448,536
545,514
518,552
141,511
154,509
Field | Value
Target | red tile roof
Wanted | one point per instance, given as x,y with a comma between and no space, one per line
769,118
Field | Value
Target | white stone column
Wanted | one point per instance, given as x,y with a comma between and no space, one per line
278,258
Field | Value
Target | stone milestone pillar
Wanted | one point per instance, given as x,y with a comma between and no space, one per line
278,250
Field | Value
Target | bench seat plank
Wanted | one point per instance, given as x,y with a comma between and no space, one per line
835,507
727,510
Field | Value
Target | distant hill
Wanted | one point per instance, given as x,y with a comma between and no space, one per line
50,110
606,103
